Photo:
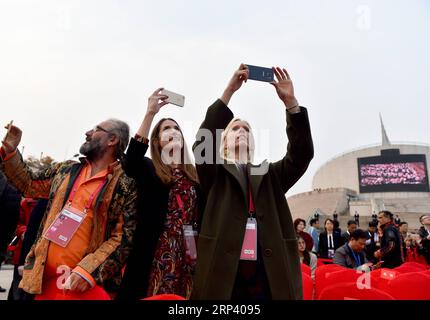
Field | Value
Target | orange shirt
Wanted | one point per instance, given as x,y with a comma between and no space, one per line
76,249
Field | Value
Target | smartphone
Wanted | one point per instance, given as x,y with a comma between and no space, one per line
260,73
174,98
14,241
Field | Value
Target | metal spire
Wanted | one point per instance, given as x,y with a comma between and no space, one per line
385,140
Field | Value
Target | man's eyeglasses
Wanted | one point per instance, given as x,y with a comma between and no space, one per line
98,128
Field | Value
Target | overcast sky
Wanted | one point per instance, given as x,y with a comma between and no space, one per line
68,65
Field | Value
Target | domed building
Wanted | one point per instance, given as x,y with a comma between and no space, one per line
364,181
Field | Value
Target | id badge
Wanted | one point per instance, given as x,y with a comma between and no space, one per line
64,226
190,242
330,253
249,246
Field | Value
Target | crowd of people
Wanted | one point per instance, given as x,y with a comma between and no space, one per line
392,173
139,227
386,243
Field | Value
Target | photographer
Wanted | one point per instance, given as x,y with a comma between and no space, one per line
247,246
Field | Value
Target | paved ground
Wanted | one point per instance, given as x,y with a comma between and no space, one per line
6,273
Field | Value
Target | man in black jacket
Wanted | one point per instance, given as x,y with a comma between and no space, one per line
391,253
9,215
351,227
424,233
372,241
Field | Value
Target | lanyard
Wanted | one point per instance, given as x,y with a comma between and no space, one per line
92,196
356,258
251,209
181,206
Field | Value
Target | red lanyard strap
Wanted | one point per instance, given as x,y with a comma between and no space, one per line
181,206
74,188
96,192
251,202
92,196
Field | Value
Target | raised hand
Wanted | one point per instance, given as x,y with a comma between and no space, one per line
239,76
12,138
156,101
284,88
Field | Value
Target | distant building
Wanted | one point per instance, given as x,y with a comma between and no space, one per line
389,176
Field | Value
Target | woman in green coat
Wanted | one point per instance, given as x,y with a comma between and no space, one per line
247,246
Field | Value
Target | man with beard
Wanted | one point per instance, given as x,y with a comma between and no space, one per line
86,232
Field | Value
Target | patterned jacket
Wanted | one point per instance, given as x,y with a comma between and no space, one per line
113,225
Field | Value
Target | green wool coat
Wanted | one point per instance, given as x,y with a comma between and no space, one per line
226,212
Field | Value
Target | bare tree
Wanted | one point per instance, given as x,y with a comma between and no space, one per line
36,164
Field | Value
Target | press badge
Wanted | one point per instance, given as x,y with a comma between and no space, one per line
249,246
330,253
64,226
190,242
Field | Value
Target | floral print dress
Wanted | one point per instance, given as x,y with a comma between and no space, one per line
171,271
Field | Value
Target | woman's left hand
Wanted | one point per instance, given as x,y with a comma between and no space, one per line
284,88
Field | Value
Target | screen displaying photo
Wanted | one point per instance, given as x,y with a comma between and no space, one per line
399,173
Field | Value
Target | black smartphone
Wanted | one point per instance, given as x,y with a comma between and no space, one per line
260,73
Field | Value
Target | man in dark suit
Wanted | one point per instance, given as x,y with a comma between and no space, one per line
351,226
351,255
372,241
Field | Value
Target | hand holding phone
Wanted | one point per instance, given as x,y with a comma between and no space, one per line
260,73
173,98
376,266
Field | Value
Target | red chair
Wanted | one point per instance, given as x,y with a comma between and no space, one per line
321,274
52,292
306,269
338,277
350,291
321,270
164,297
417,265
381,277
344,275
308,287
410,267
410,286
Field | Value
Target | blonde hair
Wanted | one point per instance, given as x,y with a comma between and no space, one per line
223,151
163,170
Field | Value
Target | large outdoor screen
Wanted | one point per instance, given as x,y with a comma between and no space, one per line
393,173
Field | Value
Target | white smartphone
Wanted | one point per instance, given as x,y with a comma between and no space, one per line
174,98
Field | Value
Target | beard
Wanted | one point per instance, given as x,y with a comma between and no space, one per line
92,149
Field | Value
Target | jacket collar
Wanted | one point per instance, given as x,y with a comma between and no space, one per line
112,167
385,226
255,174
